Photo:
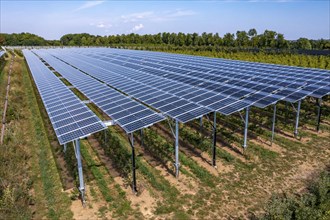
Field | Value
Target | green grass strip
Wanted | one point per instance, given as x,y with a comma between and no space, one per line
58,203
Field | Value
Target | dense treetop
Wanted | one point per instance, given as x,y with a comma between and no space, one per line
241,39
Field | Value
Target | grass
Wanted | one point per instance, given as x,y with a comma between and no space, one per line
31,163
100,181
243,186
112,193
57,202
202,174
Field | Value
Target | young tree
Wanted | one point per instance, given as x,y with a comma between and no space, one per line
228,40
252,32
304,44
242,38
281,43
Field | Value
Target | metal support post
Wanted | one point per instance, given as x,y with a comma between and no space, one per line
214,139
133,164
319,103
297,119
201,125
64,148
273,126
177,164
142,137
286,109
246,127
80,171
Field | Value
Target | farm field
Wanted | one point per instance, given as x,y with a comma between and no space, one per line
161,110
239,187
43,179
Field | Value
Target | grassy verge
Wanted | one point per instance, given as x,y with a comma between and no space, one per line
57,202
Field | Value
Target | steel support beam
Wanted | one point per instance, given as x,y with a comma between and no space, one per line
201,125
273,126
141,137
318,121
133,164
214,140
80,171
297,119
177,164
246,126
286,109
64,148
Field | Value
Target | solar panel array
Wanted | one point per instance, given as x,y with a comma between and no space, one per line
186,87
129,114
70,118
258,80
2,53
116,77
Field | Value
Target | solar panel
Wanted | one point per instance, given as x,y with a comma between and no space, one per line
2,53
129,114
70,118
268,75
120,75
163,81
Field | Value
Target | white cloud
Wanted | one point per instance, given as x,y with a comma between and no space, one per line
137,28
156,16
137,16
88,4
100,25
180,13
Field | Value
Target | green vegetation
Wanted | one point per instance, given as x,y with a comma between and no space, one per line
241,40
314,204
29,177
240,187
57,201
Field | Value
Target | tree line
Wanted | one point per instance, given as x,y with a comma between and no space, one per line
241,39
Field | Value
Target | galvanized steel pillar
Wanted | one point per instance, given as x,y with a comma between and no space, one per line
133,164
141,137
214,139
177,164
64,148
201,125
286,110
319,105
273,126
246,126
80,171
297,119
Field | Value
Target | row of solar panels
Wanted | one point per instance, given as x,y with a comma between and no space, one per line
165,89
312,82
70,118
182,91
124,80
127,113
232,65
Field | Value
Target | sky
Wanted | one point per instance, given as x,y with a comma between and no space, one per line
53,19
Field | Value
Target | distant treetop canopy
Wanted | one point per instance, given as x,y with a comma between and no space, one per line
242,39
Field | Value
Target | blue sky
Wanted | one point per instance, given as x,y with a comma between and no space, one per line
52,19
